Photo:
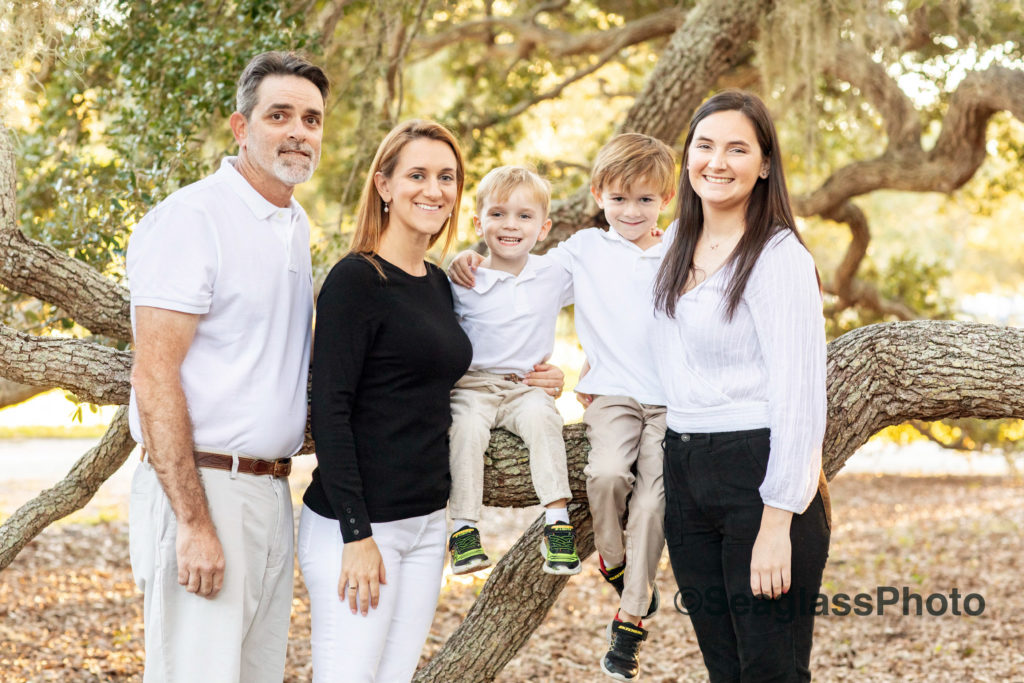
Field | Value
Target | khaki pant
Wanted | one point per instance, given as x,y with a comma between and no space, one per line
241,635
625,464
482,401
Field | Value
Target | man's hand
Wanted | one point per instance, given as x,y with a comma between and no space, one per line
200,559
584,399
362,573
463,268
548,377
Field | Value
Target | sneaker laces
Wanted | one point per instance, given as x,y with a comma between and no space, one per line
465,542
561,541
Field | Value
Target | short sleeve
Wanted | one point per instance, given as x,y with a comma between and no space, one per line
172,259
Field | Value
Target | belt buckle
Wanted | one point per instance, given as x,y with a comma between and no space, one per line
282,468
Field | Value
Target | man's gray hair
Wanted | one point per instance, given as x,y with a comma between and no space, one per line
276,64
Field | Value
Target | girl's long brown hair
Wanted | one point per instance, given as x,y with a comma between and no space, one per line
768,211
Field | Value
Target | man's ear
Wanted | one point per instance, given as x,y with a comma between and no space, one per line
239,127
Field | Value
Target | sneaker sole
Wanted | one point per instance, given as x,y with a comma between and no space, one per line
471,567
618,677
558,571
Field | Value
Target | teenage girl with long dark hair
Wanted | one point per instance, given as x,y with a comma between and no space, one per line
741,344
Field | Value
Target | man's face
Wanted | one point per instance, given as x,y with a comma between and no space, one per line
281,139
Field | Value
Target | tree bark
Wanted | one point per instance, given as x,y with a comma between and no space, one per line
94,373
71,494
886,374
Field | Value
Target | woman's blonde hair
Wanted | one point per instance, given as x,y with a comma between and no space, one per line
372,221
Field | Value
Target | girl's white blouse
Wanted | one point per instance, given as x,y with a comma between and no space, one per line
763,368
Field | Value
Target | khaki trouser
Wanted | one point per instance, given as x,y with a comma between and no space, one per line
482,401
625,464
241,635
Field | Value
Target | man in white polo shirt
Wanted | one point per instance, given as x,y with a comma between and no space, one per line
221,301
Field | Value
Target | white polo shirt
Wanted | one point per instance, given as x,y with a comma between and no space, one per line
220,249
612,284
510,319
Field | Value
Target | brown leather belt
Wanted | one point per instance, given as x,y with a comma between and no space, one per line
512,377
217,461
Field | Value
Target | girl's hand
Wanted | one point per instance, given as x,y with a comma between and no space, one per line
463,266
550,378
362,573
772,556
584,399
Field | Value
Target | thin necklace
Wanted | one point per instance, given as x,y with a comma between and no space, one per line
714,246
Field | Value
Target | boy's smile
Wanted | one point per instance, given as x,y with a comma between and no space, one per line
510,228
632,213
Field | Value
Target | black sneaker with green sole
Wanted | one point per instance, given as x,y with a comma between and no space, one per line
559,550
467,552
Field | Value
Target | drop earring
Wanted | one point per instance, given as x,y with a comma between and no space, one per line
386,207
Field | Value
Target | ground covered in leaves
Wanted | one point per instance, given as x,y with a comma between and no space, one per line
69,610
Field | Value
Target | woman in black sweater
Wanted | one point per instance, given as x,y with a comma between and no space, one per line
387,351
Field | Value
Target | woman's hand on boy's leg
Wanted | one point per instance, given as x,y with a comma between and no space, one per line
463,266
548,377
584,399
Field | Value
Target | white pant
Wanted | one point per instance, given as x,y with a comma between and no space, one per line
242,634
385,645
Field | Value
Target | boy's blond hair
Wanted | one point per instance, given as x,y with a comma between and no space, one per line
499,184
632,157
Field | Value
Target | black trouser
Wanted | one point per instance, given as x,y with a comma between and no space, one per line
712,516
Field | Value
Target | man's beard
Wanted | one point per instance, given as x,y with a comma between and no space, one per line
291,171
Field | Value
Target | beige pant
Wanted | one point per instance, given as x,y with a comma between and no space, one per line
482,401
241,635
625,464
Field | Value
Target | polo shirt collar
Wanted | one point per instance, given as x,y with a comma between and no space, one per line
260,206
486,278
612,236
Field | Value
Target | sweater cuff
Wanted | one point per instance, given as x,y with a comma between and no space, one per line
354,522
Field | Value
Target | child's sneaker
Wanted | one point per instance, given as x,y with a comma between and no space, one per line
616,576
559,550
623,659
467,553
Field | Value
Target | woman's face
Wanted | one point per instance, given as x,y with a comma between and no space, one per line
724,160
421,190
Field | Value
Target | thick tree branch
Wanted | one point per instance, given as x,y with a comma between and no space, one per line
71,493
958,152
886,374
94,373
32,268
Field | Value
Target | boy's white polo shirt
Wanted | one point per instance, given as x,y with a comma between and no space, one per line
612,286
219,249
510,319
